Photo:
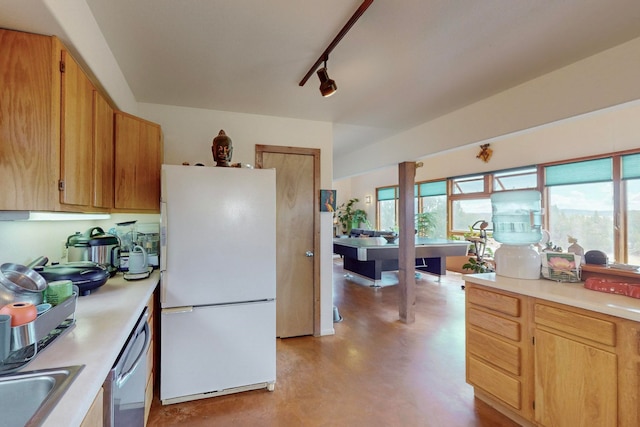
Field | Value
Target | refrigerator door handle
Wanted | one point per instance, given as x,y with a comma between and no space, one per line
177,310
163,236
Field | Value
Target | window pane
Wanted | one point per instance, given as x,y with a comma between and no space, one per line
437,205
584,211
519,179
467,212
387,209
469,184
633,221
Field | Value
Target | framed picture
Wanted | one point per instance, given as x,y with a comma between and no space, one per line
327,200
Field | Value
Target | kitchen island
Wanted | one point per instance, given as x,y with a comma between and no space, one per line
104,321
549,353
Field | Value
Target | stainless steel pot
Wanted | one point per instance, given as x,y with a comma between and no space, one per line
96,246
19,283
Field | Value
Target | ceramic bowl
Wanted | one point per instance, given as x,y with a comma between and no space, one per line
43,308
390,238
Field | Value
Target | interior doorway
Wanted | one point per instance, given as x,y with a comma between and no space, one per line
297,237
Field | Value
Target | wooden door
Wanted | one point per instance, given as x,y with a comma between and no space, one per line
297,231
576,384
77,135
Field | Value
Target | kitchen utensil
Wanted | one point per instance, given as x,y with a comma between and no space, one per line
20,312
137,260
96,246
87,276
127,233
20,283
5,336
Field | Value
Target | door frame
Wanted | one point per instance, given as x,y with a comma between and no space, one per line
315,152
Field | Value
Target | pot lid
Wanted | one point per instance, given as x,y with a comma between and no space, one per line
94,236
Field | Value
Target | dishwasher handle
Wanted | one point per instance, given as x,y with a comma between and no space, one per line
147,338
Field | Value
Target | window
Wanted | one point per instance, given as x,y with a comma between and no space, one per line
631,186
516,179
387,202
469,202
580,203
470,196
432,198
468,184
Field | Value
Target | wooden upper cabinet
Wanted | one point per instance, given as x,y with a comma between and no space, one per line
103,153
29,121
76,171
59,149
138,158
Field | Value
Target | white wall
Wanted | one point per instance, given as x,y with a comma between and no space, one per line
605,131
23,241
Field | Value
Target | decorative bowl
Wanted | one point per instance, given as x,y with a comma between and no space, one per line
390,238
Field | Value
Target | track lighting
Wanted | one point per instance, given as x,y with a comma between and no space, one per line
327,86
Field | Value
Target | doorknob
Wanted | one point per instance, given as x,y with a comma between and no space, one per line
308,254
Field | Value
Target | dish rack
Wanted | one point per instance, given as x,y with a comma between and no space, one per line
29,339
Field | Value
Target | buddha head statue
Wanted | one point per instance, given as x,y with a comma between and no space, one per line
222,149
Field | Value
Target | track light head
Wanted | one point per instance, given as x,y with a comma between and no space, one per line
327,86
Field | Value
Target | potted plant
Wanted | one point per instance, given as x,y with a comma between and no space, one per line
350,217
477,266
425,223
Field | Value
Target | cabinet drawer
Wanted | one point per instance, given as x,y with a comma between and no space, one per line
495,301
591,328
498,325
491,380
494,351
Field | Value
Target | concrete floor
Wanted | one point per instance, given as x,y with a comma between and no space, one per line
375,370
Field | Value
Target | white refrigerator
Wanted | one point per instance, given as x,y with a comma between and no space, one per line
218,281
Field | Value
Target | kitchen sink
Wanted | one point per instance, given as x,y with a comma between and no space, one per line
27,398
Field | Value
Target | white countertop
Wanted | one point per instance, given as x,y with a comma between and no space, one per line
573,294
104,320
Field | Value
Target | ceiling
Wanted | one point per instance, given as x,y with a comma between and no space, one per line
402,64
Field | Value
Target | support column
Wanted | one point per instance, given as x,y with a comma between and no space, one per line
406,243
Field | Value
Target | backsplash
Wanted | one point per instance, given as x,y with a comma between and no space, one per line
23,241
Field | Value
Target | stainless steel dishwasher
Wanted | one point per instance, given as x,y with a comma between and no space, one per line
124,388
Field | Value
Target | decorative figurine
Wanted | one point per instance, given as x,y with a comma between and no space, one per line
485,153
222,149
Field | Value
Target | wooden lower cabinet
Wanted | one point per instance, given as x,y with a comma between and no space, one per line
94,417
548,364
498,353
576,384
575,367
